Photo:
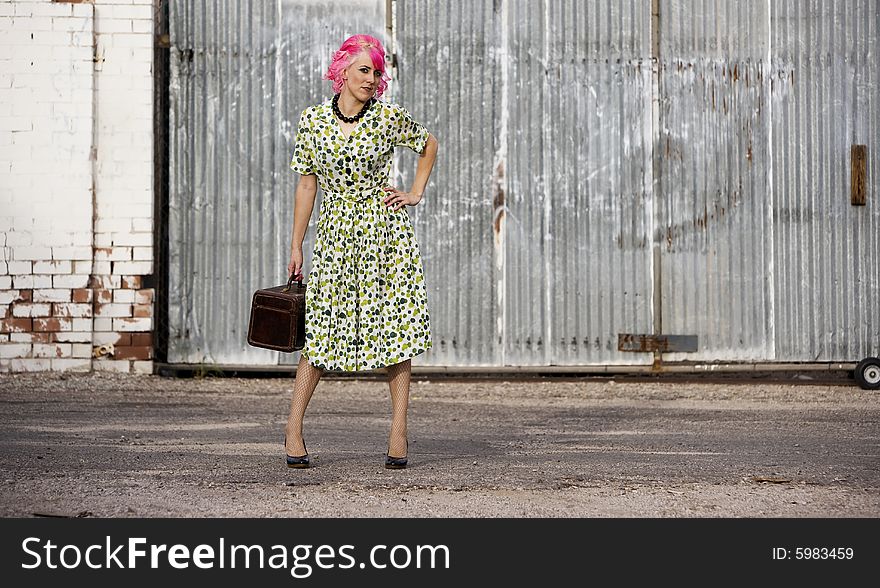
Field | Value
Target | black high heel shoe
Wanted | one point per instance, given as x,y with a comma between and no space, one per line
293,461
396,463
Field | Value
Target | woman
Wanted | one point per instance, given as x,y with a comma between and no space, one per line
366,302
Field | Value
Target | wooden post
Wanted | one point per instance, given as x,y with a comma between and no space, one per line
859,184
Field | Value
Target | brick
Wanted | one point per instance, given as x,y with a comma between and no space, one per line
18,239
53,324
124,296
142,310
5,282
103,296
9,350
53,267
132,324
133,239
51,295
144,225
103,240
31,281
142,26
82,267
75,254
142,367
85,10
70,25
139,339
73,364
144,296
102,268
56,9
26,295
132,267
72,337
109,365
133,282
112,25
32,253
10,296
113,225
21,267
71,310
142,253
111,338
128,11
52,350
80,295
131,352
28,309
30,365
30,337
105,282
113,253
16,325
82,324
102,324
112,310
81,350
70,281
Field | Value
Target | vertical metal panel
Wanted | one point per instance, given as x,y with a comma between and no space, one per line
825,98
448,77
715,222
578,238
242,71
539,235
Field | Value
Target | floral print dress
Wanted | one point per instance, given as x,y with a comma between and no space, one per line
366,301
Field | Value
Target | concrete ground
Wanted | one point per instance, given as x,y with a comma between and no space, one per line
118,445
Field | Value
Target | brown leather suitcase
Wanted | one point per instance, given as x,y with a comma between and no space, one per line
278,317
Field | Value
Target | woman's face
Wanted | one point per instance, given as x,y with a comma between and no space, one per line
361,77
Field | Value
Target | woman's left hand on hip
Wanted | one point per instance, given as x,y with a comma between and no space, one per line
397,199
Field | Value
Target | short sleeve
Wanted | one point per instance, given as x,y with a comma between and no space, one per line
410,133
303,161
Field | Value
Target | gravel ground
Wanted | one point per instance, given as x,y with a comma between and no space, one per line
120,445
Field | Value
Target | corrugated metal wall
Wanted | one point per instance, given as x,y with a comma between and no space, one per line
539,222
715,210
242,71
578,176
448,78
826,97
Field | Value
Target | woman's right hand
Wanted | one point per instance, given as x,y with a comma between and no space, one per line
294,268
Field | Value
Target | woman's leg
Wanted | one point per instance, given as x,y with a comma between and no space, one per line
307,377
398,383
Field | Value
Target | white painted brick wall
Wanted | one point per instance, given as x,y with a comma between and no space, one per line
44,73
76,128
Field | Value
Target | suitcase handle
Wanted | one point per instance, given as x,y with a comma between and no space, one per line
290,281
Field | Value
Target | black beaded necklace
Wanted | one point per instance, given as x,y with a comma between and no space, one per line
350,119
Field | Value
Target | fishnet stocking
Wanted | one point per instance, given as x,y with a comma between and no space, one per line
398,384
307,377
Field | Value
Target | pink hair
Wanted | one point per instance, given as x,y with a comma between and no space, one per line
351,48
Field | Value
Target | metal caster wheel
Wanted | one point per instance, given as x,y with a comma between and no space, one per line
867,373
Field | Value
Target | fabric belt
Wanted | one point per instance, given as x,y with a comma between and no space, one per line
352,195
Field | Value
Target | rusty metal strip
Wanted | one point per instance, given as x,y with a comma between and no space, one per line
656,343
